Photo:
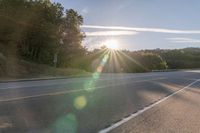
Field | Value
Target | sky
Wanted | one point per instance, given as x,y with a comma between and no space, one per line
139,24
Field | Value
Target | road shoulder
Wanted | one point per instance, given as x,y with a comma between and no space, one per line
179,113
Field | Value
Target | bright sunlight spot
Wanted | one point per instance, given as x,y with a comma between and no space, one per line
112,44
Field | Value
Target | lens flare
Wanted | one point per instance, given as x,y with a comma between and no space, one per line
90,85
80,102
65,124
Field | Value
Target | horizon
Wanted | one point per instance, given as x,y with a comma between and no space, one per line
152,49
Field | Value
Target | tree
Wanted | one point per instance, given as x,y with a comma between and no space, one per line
42,38
71,47
30,28
37,30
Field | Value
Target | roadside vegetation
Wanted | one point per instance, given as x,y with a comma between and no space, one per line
40,38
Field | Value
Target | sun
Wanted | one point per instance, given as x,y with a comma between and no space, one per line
112,44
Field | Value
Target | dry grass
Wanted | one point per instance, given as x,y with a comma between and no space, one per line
24,69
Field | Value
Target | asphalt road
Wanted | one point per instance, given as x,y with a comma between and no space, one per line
147,102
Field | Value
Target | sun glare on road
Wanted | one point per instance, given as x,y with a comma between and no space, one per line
112,44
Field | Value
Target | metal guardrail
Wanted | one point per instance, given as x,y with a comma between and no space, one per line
165,70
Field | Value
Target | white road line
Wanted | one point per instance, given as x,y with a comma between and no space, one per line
40,95
70,91
115,125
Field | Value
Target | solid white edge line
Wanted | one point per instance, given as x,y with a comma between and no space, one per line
115,125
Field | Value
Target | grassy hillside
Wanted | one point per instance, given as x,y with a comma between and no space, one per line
19,69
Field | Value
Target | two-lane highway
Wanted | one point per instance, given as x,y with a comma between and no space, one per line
90,104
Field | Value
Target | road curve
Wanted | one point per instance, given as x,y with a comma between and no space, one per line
91,104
